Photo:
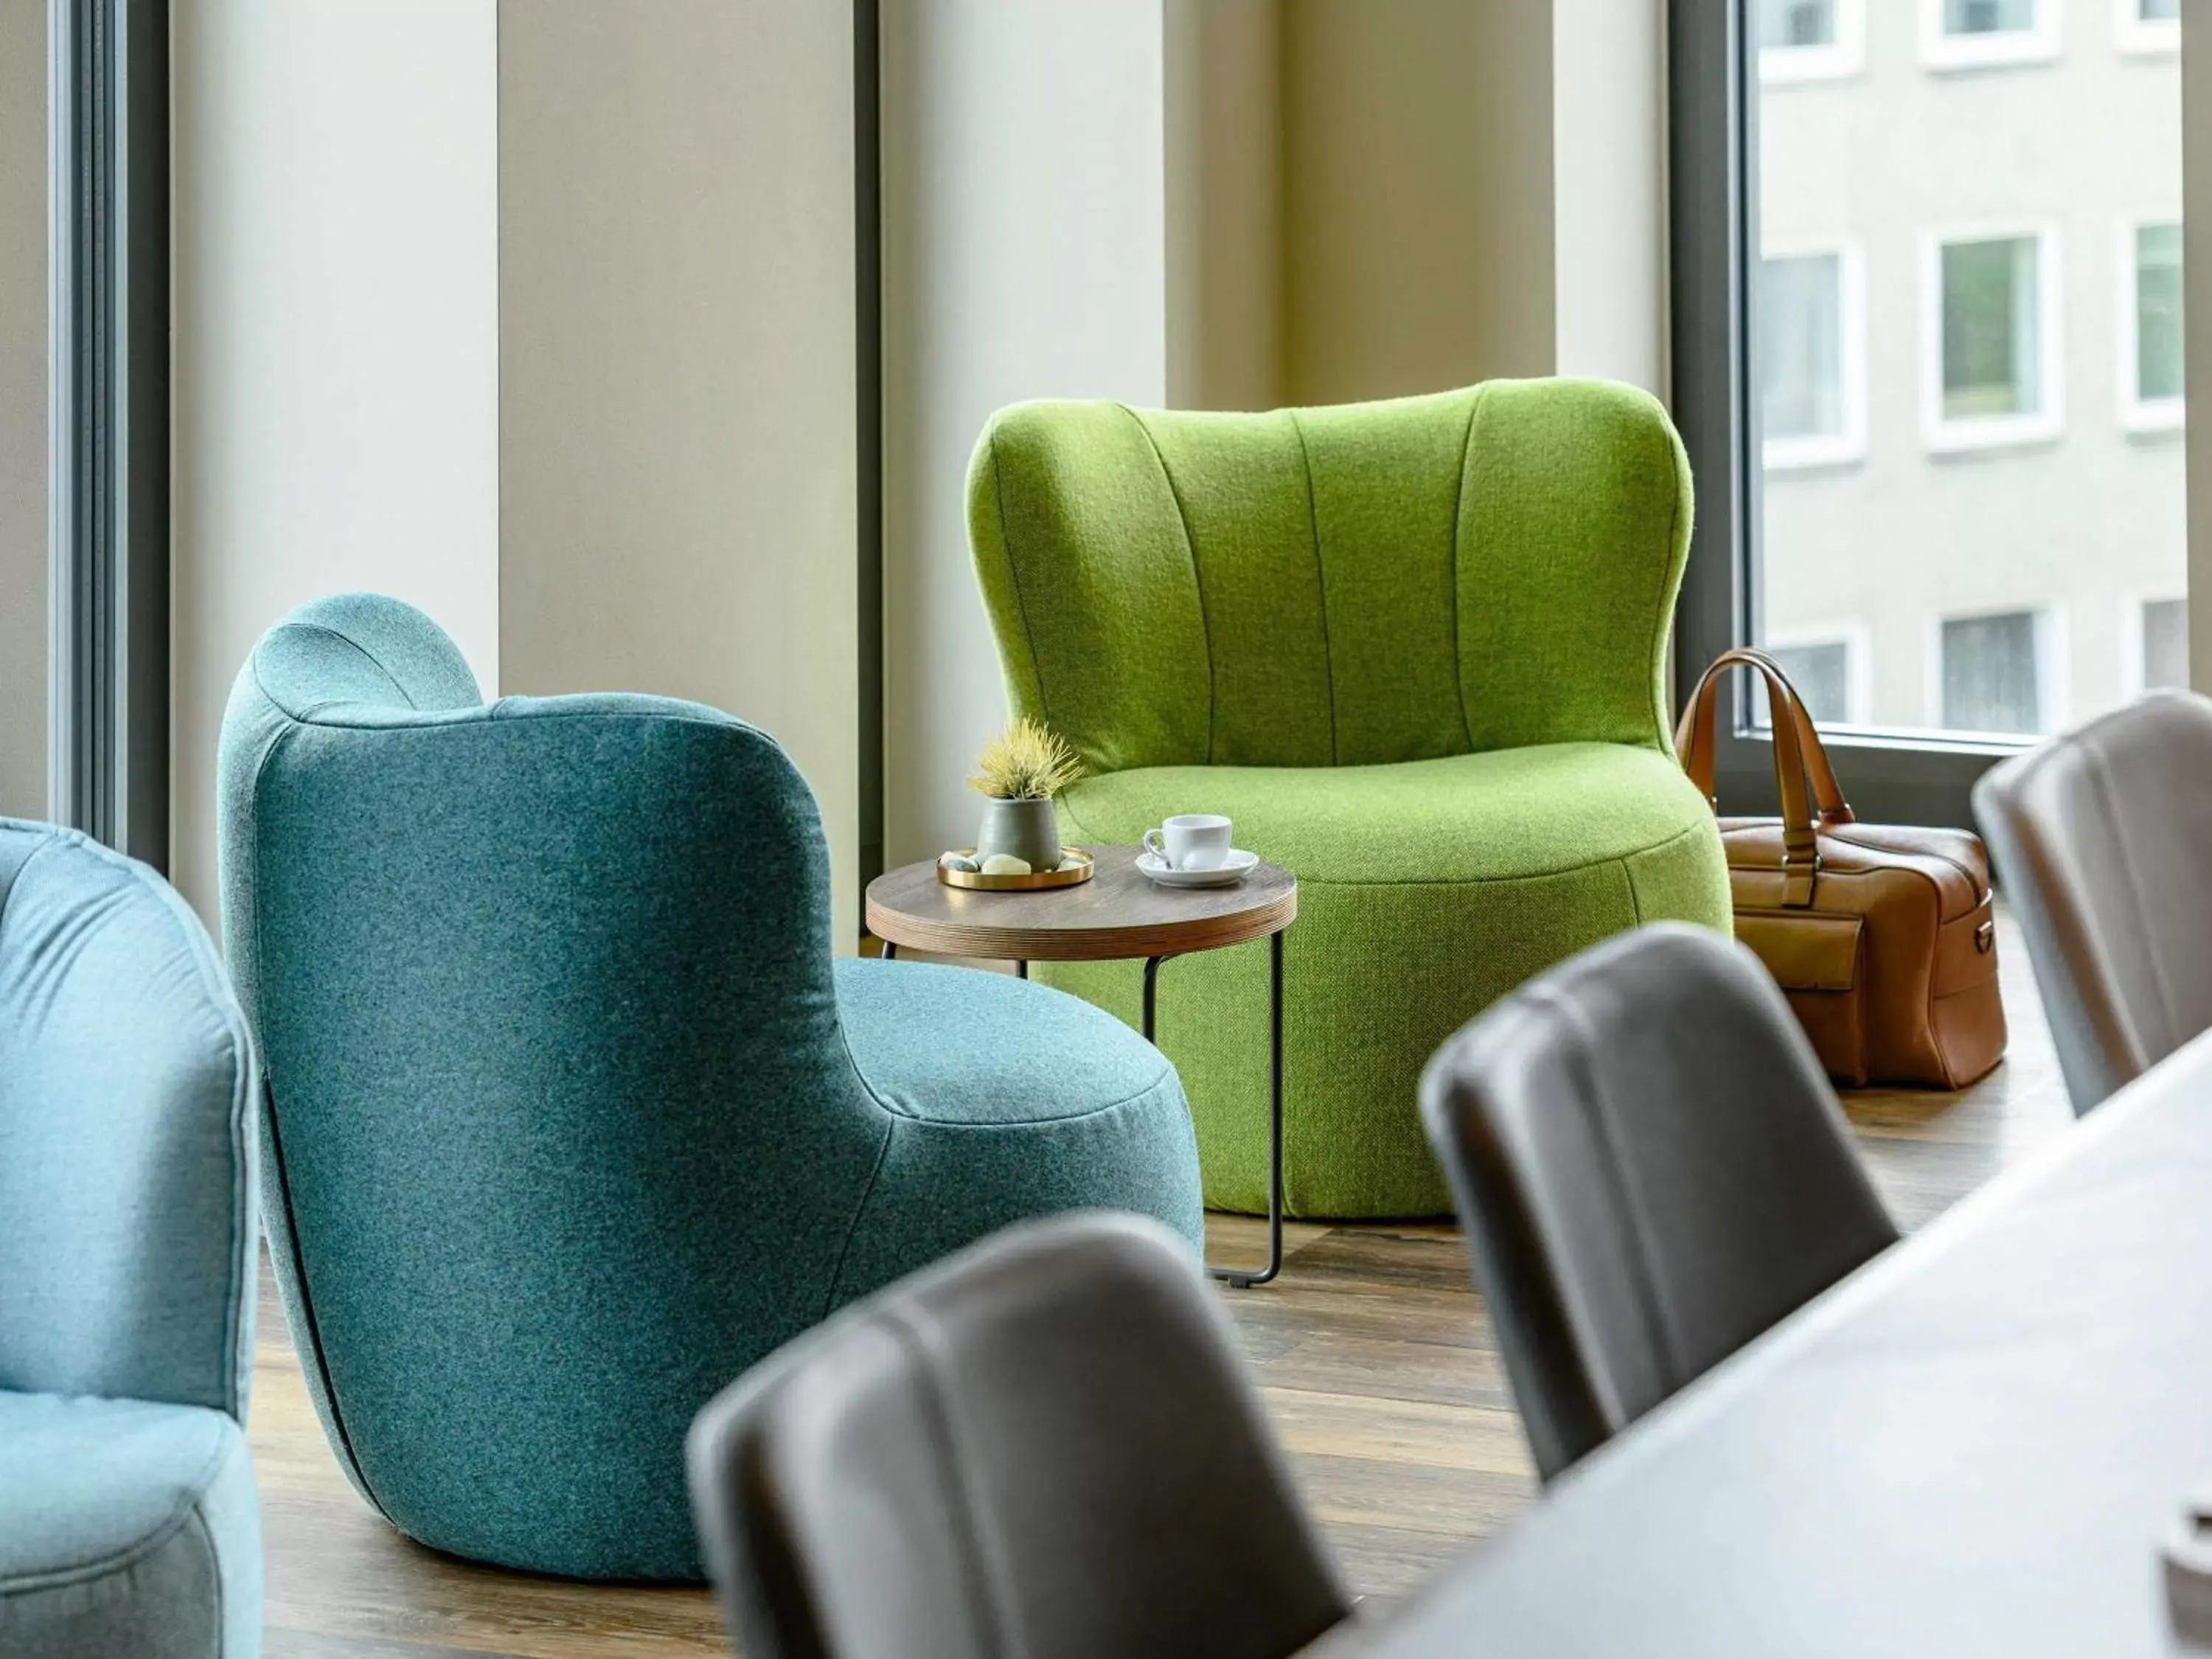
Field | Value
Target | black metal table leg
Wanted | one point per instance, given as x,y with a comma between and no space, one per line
1021,970
890,951
1244,1278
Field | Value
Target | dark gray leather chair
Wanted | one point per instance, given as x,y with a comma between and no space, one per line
2103,841
1651,1169
1044,1446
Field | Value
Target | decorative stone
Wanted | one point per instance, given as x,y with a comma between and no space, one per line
1005,864
960,862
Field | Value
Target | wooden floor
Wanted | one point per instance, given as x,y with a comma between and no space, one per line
1371,1351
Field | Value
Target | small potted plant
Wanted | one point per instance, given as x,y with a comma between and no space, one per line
1017,774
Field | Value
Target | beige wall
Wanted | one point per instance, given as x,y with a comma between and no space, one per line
336,359
1373,197
676,401
1225,319
1418,168
1025,256
23,409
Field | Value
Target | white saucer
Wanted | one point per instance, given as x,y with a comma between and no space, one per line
1240,864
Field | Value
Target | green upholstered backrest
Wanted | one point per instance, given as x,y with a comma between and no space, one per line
562,1132
1479,570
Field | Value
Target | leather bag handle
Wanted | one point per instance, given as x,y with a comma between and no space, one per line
1798,754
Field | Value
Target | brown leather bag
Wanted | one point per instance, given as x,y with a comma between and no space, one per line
1882,938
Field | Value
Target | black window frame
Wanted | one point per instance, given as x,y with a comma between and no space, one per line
108,428
1712,123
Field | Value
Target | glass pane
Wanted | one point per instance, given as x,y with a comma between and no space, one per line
1971,417
1822,675
1989,328
1988,16
1800,346
2158,11
23,410
1797,22
2165,643
2158,312
1989,678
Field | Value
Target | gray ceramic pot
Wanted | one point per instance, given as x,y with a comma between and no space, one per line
1026,828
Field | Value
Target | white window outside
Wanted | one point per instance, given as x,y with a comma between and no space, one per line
1966,34
1811,314
2148,28
1992,363
1998,673
2149,309
1829,668
2156,641
1810,39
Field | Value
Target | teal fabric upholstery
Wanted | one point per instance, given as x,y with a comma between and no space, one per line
571,1115
128,1520
1415,650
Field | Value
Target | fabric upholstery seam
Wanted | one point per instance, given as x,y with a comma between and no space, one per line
1459,506
50,839
237,1365
214,1582
276,1147
1190,546
1599,862
860,1211
1029,1124
373,659
130,1555
1320,579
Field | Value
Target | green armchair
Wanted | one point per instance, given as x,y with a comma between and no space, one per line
1415,649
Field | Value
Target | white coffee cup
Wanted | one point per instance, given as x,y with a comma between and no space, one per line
1190,841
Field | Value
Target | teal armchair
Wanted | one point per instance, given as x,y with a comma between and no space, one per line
1416,651
571,1116
129,1526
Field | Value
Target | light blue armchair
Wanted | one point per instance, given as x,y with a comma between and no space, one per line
129,1526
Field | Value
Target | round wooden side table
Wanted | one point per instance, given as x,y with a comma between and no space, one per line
1117,915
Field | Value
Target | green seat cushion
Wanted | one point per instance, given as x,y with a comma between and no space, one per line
1502,816
1427,890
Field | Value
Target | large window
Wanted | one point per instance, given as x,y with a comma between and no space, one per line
1829,673
1928,361
1979,33
2150,357
84,418
1811,361
1993,673
2162,658
2149,27
1811,40
1991,339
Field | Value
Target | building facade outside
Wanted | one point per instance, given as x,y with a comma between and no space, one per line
1968,357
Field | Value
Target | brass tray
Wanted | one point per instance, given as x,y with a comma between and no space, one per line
1076,867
